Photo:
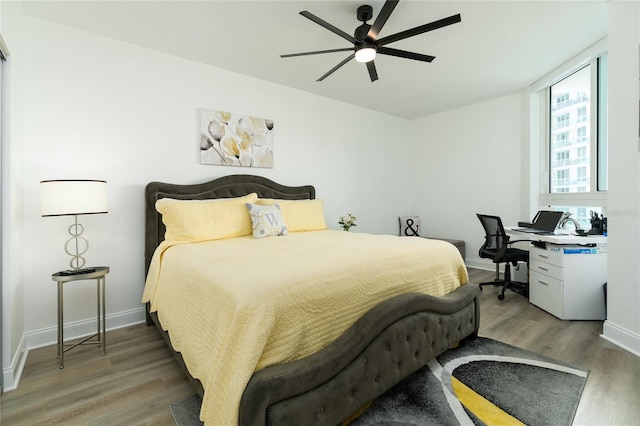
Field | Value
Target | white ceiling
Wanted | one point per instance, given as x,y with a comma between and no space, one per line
500,47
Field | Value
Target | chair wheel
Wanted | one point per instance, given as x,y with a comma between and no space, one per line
501,297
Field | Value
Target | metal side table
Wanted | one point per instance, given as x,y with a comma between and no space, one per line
98,273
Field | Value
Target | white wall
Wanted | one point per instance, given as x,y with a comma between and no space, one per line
98,108
12,271
623,316
467,161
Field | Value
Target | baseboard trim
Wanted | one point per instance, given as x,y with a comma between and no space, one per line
620,336
49,336
73,330
478,263
11,375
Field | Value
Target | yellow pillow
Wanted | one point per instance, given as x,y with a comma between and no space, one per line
202,220
299,215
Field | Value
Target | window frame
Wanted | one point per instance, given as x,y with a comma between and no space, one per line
4,54
541,118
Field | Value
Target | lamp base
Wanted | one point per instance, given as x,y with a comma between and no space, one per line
76,230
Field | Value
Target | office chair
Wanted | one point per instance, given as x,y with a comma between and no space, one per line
496,247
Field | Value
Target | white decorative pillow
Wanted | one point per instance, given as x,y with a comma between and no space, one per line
266,221
409,226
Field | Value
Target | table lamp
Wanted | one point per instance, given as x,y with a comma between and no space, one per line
73,197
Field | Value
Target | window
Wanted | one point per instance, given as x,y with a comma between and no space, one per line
582,152
582,172
562,99
562,120
582,112
580,214
603,183
582,135
562,139
576,89
574,101
562,178
569,107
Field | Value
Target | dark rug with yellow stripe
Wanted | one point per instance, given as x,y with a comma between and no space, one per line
482,382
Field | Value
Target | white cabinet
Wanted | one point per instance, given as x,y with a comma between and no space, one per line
567,281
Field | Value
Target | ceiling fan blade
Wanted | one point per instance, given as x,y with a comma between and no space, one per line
328,26
317,52
381,19
372,71
454,19
332,70
404,54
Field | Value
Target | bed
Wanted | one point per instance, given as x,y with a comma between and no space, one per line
311,378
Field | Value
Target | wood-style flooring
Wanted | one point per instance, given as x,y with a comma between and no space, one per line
138,378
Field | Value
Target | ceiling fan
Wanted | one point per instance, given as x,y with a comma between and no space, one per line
366,43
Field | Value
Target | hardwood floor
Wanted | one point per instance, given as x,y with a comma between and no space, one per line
132,385
138,378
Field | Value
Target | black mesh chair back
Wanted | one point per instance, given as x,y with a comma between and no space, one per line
495,236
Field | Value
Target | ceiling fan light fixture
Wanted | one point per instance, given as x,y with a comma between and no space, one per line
365,54
365,40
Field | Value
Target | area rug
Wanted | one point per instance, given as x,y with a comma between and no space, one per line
482,382
186,412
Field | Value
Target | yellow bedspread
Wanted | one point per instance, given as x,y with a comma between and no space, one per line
235,306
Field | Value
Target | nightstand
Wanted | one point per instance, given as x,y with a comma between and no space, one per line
97,273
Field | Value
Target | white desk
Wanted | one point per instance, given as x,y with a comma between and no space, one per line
567,274
559,238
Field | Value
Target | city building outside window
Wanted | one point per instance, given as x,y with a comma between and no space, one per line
570,101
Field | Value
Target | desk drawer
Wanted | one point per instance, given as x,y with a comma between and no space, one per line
546,293
553,271
547,256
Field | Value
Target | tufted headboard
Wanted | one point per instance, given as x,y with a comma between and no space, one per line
224,187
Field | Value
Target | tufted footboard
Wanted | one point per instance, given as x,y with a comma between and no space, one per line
390,342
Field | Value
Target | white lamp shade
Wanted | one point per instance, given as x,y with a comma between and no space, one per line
73,197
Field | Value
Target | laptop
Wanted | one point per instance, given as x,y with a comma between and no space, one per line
530,223
544,222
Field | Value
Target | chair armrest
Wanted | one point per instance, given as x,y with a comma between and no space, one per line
518,241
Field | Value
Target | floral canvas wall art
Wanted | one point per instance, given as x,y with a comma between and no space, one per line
229,139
